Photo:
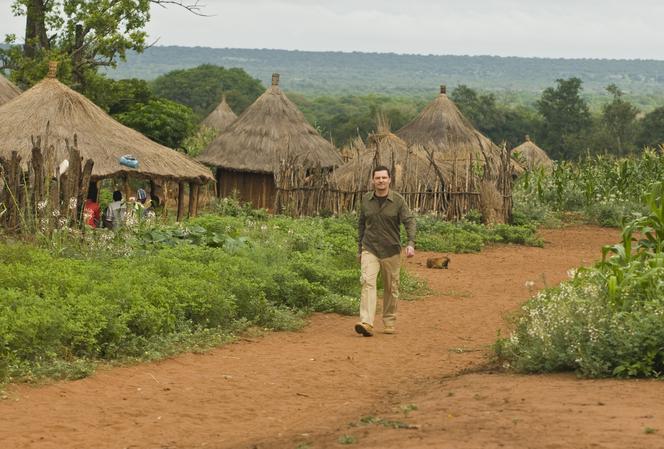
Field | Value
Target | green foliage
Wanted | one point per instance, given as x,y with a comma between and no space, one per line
201,88
619,120
164,121
197,142
344,118
117,97
515,81
652,129
566,118
604,189
606,320
465,236
82,34
499,123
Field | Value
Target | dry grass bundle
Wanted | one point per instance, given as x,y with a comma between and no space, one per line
532,155
221,118
7,90
410,167
272,129
52,106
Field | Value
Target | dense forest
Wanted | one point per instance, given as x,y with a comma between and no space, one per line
513,80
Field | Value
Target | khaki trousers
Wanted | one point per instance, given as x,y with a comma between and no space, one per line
390,268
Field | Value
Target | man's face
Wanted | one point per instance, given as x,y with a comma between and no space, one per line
381,180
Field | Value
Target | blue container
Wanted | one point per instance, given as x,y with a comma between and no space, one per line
129,161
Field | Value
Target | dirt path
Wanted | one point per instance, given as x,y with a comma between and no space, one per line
312,388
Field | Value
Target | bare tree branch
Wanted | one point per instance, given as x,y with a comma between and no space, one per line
194,6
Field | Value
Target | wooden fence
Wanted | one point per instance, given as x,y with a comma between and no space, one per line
41,198
305,192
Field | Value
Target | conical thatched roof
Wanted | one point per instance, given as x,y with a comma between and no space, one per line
411,169
100,137
533,156
221,118
7,90
270,130
441,127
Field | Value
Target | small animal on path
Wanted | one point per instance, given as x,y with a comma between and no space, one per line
438,262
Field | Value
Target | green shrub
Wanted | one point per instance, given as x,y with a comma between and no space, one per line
607,320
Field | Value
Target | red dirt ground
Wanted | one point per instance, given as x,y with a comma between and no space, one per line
312,389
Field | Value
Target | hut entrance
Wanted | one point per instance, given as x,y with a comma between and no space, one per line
258,189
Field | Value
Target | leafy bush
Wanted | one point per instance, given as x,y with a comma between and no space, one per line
604,189
608,319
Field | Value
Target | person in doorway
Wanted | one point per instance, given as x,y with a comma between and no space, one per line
381,214
91,209
115,213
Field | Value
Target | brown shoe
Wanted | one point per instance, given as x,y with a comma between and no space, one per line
389,330
364,329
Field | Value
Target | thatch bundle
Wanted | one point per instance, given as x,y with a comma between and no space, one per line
221,118
51,107
271,130
411,169
443,129
7,90
532,156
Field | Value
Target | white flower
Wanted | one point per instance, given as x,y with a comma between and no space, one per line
571,273
42,205
73,202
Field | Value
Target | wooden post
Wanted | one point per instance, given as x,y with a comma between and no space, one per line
192,199
180,213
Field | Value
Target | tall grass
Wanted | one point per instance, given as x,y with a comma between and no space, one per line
601,188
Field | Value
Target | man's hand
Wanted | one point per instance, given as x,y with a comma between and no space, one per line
410,251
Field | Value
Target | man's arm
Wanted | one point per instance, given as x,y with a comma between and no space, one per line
361,224
408,221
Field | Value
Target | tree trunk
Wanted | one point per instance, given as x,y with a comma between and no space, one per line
35,28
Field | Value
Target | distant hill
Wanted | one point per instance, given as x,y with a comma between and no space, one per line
320,73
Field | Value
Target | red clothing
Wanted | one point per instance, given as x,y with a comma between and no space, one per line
92,210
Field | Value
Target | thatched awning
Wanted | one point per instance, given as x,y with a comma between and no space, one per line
269,131
221,118
100,137
7,90
532,155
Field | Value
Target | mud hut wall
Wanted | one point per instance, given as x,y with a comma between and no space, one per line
258,189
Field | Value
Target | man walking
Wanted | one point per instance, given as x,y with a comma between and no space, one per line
381,214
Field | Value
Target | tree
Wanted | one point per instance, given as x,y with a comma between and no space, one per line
652,129
498,123
201,88
162,120
619,120
82,34
567,119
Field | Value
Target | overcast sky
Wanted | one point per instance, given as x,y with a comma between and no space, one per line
546,28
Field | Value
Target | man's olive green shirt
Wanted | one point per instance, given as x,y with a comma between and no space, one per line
379,225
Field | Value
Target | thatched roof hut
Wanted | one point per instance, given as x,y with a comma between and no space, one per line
221,118
52,105
532,156
477,168
443,129
270,131
7,90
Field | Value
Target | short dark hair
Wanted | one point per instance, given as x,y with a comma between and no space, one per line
381,168
117,195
